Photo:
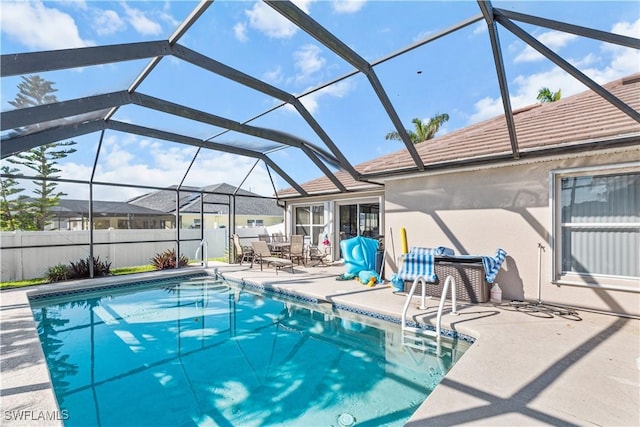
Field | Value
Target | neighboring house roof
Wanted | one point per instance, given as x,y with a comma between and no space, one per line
250,204
585,120
71,207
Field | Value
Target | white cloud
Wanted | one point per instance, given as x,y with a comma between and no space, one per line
625,60
554,40
166,16
263,18
624,28
422,35
524,91
307,62
274,76
480,28
240,31
214,167
140,22
131,159
336,90
39,27
347,6
77,4
613,63
107,22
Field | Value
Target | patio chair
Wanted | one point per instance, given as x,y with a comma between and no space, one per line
262,254
278,245
243,253
264,238
318,254
296,249
278,237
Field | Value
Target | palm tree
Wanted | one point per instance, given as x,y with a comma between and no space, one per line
545,95
424,130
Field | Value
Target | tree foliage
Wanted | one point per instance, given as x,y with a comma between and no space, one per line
42,160
545,95
15,210
423,130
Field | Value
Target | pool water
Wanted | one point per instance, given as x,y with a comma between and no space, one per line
199,352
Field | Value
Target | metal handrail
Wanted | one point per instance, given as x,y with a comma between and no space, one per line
205,252
454,311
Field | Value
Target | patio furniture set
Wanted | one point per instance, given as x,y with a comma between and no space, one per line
278,252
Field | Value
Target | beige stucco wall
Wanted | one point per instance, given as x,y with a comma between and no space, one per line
478,210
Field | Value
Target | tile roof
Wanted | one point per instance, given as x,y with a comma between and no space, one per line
573,121
77,207
251,204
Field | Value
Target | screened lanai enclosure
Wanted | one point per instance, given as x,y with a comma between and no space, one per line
211,109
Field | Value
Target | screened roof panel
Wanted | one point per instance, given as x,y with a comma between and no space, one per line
80,24
127,158
348,111
79,82
248,142
215,167
41,126
289,121
297,165
154,119
316,86
385,35
205,90
281,55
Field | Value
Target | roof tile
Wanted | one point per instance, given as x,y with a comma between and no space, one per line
577,119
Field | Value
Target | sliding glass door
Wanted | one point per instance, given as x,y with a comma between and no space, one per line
360,219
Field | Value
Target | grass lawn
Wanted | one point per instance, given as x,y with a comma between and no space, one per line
114,272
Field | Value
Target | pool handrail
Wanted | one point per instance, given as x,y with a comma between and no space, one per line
421,279
204,246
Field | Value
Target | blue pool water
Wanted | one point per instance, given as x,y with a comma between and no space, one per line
199,352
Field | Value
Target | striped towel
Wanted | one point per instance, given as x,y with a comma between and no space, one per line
492,264
419,262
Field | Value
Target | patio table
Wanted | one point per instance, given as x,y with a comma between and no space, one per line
279,247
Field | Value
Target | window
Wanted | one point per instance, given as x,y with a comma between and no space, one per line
597,225
309,221
255,222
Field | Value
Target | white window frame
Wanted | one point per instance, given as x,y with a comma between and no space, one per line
618,283
311,225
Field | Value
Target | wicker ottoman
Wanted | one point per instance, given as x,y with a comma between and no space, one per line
468,274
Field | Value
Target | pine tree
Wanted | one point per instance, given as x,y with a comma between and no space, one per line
34,90
14,212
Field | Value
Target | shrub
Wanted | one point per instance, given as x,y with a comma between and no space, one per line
58,273
167,259
80,269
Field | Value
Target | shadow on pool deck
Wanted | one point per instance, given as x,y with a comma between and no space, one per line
522,369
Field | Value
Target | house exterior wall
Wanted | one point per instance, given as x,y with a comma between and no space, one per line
331,206
476,211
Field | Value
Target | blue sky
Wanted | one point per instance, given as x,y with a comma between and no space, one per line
453,75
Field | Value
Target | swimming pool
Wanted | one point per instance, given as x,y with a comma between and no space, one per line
195,351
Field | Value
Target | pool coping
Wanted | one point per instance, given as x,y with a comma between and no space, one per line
522,370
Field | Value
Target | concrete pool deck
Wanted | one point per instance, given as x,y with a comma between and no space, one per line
524,368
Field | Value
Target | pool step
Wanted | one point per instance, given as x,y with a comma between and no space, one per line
196,283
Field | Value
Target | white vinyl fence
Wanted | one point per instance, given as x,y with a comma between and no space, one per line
29,254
